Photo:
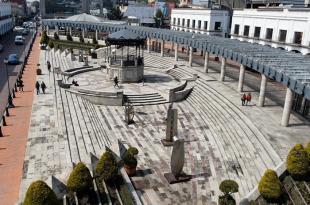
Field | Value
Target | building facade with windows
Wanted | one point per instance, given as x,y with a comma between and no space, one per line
205,21
283,28
6,20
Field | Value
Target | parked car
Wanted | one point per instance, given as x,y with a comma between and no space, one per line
1,47
18,28
13,59
19,40
25,32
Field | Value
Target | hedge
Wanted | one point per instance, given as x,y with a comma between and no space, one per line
270,185
307,148
107,167
39,193
297,161
80,180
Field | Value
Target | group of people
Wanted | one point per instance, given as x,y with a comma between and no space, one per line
246,98
42,86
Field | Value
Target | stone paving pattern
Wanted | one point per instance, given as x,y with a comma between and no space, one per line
223,139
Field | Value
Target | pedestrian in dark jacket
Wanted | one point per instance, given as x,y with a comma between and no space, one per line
243,98
248,98
20,85
48,66
38,87
43,87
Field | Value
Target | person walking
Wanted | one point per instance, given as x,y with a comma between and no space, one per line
116,82
43,87
248,98
243,98
48,66
38,87
20,85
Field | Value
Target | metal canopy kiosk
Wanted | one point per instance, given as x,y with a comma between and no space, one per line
127,65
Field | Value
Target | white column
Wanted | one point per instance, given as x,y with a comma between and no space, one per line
241,78
57,30
262,91
83,33
176,48
223,69
47,30
172,46
287,107
70,31
206,64
149,45
96,35
190,58
162,46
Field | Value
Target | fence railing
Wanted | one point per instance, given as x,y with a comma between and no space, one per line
23,59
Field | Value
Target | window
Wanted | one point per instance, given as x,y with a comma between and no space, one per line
205,25
217,26
188,21
236,30
183,22
269,32
246,30
173,21
282,35
178,21
257,32
199,24
193,23
297,37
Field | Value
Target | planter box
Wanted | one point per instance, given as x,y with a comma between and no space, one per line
39,71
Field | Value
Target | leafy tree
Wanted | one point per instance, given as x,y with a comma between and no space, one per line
39,193
159,18
115,14
56,37
69,37
297,161
270,185
107,167
44,38
81,39
80,180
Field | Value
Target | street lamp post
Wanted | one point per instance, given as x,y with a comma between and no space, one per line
10,99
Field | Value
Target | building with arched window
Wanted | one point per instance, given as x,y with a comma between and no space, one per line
6,21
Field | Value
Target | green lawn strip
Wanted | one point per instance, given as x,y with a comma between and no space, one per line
124,192
72,44
102,194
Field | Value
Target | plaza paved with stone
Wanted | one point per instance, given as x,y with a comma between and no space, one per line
222,138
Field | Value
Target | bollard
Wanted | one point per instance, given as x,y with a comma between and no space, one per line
3,121
1,134
7,112
13,91
15,87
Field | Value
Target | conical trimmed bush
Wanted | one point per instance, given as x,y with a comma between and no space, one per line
297,161
80,180
107,167
39,193
270,185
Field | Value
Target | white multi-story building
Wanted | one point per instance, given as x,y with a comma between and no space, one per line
6,21
283,28
201,20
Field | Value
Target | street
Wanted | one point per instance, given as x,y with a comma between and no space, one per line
9,48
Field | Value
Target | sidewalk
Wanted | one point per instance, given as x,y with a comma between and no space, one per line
13,144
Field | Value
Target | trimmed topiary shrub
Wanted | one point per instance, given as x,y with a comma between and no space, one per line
270,185
39,193
307,148
133,151
44,38
51,44
226,200
297,161
80,180
229,186
107,167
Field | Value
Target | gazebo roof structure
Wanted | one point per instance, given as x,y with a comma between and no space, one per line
125,37
288,68
84,18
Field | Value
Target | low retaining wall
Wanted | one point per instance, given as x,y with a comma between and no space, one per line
100,97
181,95
61,84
